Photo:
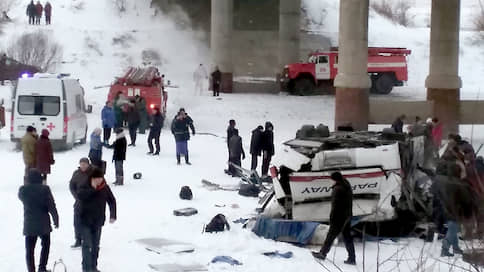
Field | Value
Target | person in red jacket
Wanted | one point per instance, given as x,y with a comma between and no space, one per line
48,12
44,154
38,14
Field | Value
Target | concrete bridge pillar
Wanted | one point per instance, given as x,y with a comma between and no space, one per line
221,40
352,81
289,29
443,82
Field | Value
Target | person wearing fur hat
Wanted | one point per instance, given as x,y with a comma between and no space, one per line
44,154
38,204
94,196
96,148
80,177
119,155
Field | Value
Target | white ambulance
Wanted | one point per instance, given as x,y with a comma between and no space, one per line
50,101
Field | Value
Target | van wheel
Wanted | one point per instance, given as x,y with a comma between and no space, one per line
303,86
384,84
84,139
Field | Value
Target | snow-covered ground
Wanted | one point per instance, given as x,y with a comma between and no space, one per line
145,207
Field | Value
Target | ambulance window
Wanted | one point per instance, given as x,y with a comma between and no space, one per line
78,103
323,59
39,105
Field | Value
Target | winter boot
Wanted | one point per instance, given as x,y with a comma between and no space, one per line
178,159
458,251
157,153
350,261
77,244
446,253
186,159
119,180
318,255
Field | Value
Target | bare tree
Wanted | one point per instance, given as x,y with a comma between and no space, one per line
36,49
6,5
395,11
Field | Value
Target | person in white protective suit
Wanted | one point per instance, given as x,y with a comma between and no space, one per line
200,76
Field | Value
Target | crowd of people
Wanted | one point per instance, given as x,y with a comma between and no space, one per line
457,181
261,143
35,11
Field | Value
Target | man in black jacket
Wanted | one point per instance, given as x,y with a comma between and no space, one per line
267,147
79,178
216,81
236,150
255,146
340,218
230,133
179,128
398,124
38,203
119,155
93,197
155,130
133,117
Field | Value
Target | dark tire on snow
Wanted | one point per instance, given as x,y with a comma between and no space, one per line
383,84
84,139
303,86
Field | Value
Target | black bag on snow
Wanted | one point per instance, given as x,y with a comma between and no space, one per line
217,224
186,193
249,190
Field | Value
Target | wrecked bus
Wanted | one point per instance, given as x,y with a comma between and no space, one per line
382,168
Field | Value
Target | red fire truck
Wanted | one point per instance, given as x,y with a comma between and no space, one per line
387,67
145,82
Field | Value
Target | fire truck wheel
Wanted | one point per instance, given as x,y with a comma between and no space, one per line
384,84
303,86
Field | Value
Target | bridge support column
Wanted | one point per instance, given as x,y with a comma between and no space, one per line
221,40
443,82
289,28
352,82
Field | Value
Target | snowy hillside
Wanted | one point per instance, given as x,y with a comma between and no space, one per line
98,43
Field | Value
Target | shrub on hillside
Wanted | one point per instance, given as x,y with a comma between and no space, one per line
395,11
36,49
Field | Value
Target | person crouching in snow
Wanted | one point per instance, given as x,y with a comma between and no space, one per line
38,204
96,150
179,128
93,197
236,150
119,155
44,154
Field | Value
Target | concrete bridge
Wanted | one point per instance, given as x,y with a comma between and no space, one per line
352,83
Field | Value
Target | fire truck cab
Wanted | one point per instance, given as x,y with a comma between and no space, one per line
387,67
145,82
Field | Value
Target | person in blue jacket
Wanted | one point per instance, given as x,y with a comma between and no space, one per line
109,121
96,149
